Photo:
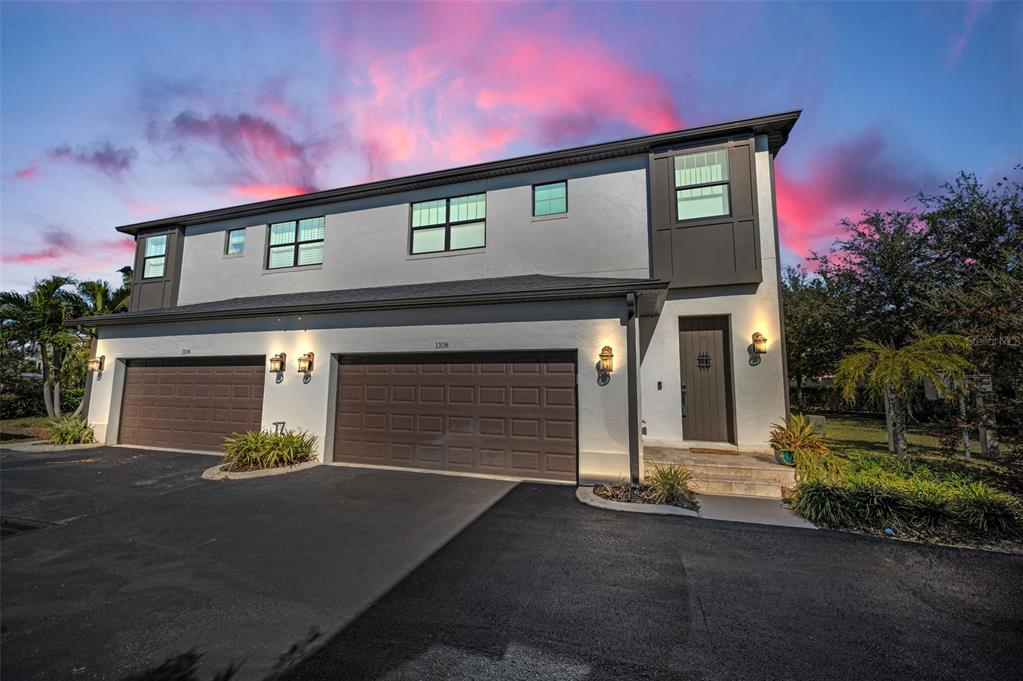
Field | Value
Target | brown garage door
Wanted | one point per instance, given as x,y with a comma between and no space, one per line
187,403
500,414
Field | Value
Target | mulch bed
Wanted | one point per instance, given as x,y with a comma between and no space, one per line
636,494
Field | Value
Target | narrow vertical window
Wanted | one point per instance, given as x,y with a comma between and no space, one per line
701,185
235,242
550,199
154,256
449,224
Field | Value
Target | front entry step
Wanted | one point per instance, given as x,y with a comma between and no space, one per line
746,475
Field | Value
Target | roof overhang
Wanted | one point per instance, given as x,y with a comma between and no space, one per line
775,126
642,289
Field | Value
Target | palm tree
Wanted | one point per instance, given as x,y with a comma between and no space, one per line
37,320
100,299
894,373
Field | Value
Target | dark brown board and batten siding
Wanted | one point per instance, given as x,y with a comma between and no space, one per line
710,251
158,292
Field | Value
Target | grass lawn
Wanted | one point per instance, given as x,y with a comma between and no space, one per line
23,428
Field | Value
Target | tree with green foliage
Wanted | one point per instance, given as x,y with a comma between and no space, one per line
894,372
816,327
36,319
881,271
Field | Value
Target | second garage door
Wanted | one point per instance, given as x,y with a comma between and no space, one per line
186,403
508,414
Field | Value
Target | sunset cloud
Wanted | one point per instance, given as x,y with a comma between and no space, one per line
842,180
61,249
103,157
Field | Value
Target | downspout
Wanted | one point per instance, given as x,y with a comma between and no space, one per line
781,300
633,375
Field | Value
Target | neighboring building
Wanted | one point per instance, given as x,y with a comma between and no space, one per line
456,318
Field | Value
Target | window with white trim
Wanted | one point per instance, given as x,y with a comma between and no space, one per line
296,243
701,185
453,224
154,256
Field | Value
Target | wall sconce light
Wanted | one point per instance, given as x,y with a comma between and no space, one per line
277,363
95,363
759,343
607,357
305,363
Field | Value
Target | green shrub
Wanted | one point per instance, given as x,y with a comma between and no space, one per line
670,485
262,449
823,504
71,430
980,508
797,435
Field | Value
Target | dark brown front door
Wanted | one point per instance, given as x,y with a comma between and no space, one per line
506,413
186,403
706,364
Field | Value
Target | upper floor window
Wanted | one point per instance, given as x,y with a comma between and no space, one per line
296,243
550,199
154,256
449,224
701,184
235,242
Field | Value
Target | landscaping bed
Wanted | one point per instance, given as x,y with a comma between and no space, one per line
667,485
261,450
925,496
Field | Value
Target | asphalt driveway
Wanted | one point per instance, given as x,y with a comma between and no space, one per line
412,576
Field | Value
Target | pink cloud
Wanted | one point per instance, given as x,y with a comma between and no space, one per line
29,172
974,10
261,192
61,249
511,74
253,150
843,180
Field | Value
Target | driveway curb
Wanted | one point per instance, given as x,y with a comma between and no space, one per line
44,446
214,472
586,495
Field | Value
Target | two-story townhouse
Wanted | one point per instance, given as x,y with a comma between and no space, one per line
540,317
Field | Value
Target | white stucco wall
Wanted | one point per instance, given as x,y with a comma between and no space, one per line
581,326
759,391
604,233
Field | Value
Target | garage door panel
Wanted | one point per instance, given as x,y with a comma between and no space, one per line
508,413
190,403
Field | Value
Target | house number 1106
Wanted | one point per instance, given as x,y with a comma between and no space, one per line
442,345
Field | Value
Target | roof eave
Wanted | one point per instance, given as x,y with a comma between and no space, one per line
164,316
775,126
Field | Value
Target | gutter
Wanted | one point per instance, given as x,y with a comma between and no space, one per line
168,315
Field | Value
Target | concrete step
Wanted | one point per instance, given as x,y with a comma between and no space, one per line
782,475
733,487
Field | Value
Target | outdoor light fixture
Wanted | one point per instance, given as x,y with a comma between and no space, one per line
277,363
95,363
607,359
305,363
759,343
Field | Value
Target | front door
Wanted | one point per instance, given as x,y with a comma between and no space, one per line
705,365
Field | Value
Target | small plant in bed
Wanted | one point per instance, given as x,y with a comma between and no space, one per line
259,449
665,485
71,430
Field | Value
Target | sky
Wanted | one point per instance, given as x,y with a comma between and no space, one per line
114,113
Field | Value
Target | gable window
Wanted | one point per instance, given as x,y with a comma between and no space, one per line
449,224
235,242
154,256
701,184
550,199
296,243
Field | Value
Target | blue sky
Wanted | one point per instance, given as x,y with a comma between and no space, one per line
114,113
